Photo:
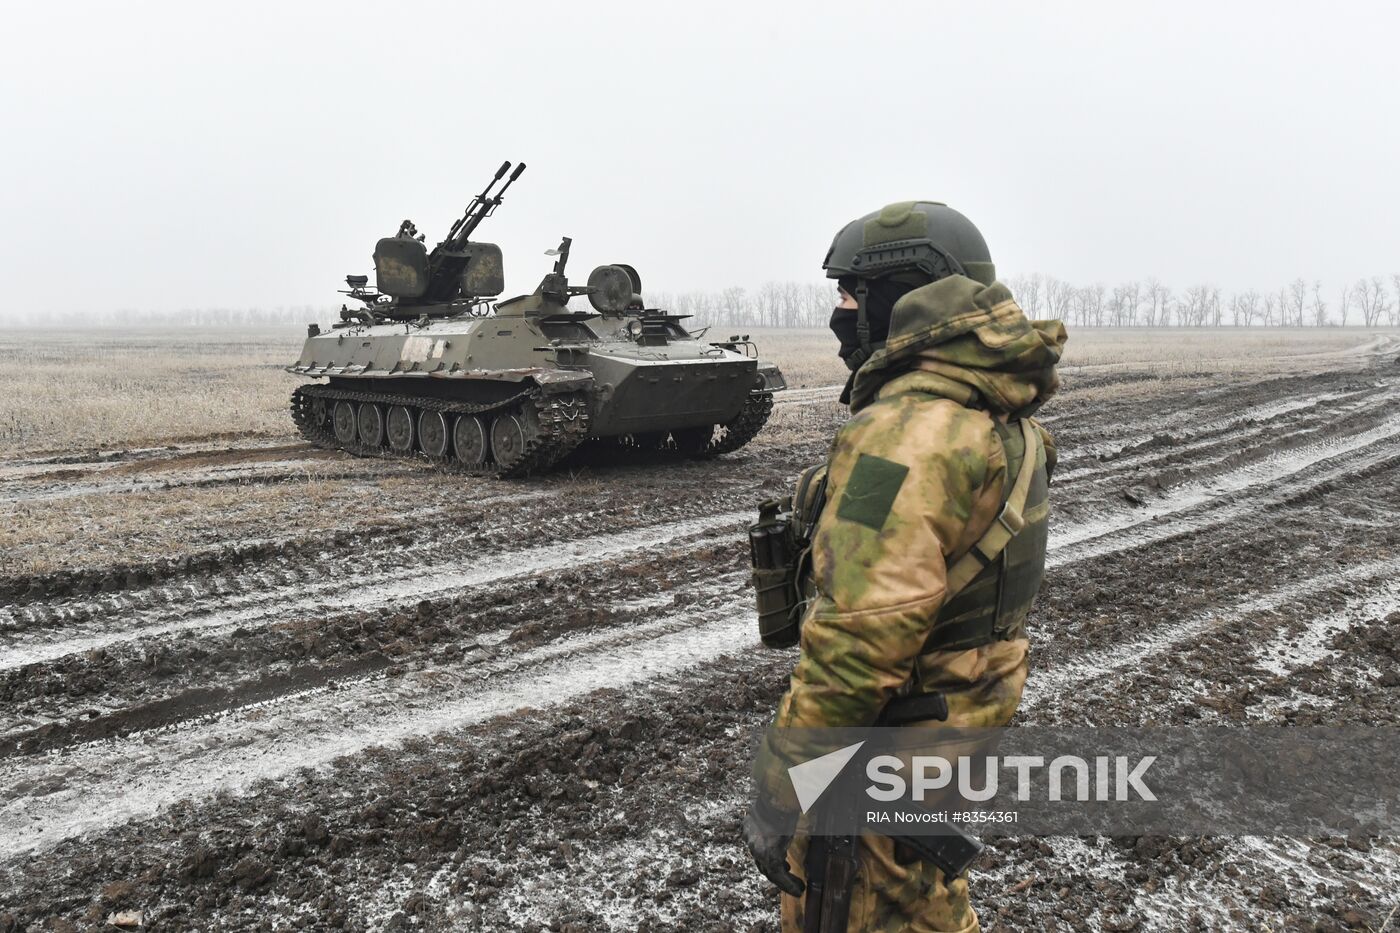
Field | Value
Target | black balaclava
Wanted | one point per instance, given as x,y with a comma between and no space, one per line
880,297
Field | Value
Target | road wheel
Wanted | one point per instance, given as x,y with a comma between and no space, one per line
399,427
319,412
371,423
432,433
345,422
507,439
469,440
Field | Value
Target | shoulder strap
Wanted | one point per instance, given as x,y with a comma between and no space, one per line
1007,524
807,501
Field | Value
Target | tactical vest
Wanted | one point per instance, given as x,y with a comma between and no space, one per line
993,605
990,589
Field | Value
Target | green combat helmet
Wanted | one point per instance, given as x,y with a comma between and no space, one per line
926,240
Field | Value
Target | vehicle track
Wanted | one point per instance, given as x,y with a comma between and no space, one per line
809,396
483,525
265,472
58,586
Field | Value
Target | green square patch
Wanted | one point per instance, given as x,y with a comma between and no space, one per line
871,490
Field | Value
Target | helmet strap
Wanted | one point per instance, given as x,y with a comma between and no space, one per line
858,358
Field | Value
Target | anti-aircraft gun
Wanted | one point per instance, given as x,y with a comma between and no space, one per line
430,368
411,281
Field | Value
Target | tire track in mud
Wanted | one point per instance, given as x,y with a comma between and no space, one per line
184,467
476,788
317,726
537,889
160,681
1258,423
35,465
1293,650
1277,480
807,396
125,578
1200,419
1096,429
1327,661
408,584
69,597
1070,682
492,521
266,473
673,855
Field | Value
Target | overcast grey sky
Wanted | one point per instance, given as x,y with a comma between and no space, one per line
168,155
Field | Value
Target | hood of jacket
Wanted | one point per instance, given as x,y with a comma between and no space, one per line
970,342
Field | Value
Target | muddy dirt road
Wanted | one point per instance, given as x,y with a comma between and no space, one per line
267,687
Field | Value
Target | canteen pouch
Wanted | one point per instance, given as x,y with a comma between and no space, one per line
780,551
770,543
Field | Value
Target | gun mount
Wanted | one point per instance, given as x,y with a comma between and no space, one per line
412,282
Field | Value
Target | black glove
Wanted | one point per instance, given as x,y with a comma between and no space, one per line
769,851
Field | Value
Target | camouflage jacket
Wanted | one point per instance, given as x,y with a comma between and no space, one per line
914,479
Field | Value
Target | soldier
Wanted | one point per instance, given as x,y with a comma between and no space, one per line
923,572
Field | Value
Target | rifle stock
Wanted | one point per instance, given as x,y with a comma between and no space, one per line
953,852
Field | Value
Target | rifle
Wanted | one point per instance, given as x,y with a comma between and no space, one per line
831,869
831,872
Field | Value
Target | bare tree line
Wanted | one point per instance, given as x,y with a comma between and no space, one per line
298,316
1153,304
772,304
1371,302
1147,303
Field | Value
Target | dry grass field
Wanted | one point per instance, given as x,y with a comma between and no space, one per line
115,389
247,683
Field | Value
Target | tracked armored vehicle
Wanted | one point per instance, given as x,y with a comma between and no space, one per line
431,367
